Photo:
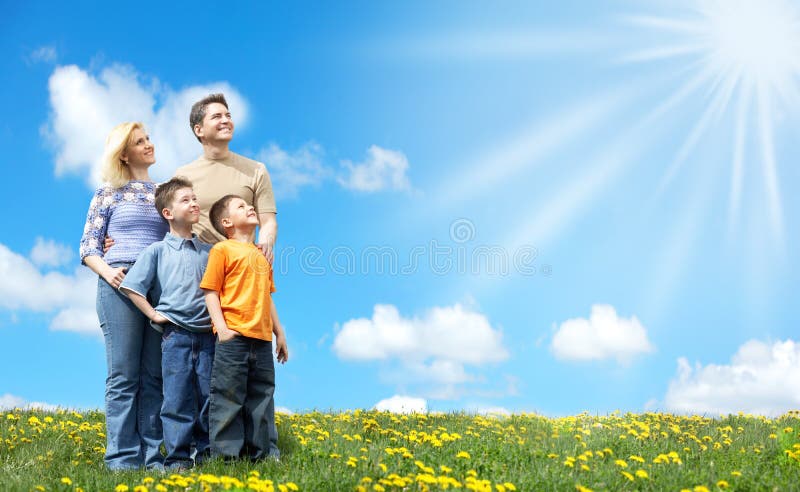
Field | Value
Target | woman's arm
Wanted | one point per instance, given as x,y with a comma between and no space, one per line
114,276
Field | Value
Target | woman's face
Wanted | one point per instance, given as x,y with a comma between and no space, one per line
140,151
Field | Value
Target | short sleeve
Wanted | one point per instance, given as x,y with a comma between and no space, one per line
215,270
264,198
271,281
94,230
140,277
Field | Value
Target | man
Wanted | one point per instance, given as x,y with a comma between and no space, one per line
219,172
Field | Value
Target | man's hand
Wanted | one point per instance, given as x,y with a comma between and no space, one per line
107,244
281,349
267,251
226,334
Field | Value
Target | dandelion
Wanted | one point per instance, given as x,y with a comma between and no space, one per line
66,481
723,484
581,488
736,473
627,475
121,488
463,454
621,463
641,473
701,488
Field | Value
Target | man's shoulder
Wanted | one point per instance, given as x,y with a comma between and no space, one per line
241,161
191,166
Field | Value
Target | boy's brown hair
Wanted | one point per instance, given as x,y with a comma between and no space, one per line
219,211
165,193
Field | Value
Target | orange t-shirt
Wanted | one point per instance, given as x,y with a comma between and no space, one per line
243,278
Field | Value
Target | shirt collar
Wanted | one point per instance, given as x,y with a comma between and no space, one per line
178,242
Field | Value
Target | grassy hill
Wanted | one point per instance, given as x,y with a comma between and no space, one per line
374,451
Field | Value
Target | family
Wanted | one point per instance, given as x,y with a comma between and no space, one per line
184,299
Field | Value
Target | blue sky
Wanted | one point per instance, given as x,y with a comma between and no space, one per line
547,207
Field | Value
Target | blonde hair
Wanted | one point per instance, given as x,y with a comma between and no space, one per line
114,170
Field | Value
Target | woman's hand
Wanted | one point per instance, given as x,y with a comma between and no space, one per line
114,276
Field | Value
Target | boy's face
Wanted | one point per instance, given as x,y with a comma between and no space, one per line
184,207
217,125
241,215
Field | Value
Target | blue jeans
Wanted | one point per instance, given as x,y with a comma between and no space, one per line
186,359
242,386
133,382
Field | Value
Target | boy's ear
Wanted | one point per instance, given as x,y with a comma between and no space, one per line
226,222
167,213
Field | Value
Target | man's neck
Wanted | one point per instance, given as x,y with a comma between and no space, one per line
181,230
215,151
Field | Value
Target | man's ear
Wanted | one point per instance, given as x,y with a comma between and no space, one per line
198,131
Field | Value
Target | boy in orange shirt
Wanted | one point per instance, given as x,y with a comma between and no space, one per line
237,284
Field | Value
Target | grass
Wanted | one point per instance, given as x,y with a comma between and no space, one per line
374,451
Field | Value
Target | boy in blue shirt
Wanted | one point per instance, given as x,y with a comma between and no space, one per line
168,273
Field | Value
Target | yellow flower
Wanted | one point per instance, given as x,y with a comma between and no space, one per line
636,458
723,484
509,486
121,488
378,488
736,473
66,481
140,488
641,473
581,488
463,454
701,488
621,463
627,475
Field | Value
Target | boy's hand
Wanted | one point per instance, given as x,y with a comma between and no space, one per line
225,334
281,349
107,244
158,318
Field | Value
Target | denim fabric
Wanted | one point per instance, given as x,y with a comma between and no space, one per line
186,359
242,386
133,382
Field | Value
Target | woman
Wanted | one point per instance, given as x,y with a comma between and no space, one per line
123,207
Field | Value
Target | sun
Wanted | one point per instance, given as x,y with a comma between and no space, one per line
746,55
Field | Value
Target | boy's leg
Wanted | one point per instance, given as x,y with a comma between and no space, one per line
260,389
178,410
203,362
151,397
227,395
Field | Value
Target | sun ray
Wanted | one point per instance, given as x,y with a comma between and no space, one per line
768,164
737,174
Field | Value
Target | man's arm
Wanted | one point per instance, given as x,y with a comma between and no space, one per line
145,307
217,319
281,348
267,234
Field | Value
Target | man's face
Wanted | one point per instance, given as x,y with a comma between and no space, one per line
217,125
184,207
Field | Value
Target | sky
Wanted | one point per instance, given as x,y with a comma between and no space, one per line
548,207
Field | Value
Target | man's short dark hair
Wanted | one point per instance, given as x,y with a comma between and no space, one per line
165,193
199,110
219,211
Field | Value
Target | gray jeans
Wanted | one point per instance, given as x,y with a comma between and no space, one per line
242,387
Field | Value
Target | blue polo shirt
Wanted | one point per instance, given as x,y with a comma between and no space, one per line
168,274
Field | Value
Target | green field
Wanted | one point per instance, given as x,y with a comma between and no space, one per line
374,451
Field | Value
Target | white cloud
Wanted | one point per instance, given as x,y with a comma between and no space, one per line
285,410
292,171
9,401
72,297
45,54
47,252
402,404
451,333
761,379
85,107
430,350
383,169
603,336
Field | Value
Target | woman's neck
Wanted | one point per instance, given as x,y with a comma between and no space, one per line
139,174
